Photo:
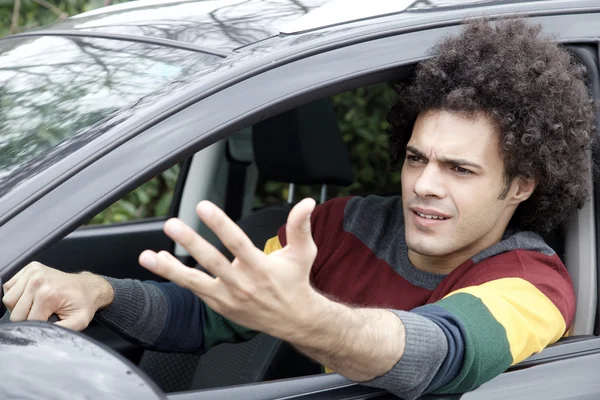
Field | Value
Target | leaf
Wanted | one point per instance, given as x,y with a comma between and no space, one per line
163,205
143,196
127,207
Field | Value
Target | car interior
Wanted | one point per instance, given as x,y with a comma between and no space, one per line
303,149
311,153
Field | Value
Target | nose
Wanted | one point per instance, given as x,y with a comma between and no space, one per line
430,182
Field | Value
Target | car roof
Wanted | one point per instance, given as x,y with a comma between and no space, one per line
220,26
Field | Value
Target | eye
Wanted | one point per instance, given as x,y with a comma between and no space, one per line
413,159
462,171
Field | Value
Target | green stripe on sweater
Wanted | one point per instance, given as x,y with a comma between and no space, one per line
218,329
487,351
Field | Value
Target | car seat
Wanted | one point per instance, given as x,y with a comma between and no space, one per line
302,146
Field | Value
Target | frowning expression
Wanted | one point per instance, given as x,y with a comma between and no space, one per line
452,185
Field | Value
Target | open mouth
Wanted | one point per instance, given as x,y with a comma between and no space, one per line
430,216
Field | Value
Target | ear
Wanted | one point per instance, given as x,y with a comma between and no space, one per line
522,189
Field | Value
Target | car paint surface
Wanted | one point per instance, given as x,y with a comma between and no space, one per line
78,83
218,25
44,361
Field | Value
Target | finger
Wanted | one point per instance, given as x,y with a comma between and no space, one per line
202,251
11,282
39,311
21,310
298,230
230,234
75,322
173,270
12,296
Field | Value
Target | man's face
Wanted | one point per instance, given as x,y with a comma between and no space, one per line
452,179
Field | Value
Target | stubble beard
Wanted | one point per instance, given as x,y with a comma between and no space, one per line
438,249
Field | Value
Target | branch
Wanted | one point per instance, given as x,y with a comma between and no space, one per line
300,6
14,26
161,190
59,13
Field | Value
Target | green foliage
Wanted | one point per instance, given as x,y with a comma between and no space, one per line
152,199
362,117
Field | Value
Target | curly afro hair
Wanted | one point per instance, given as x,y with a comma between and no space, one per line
535,93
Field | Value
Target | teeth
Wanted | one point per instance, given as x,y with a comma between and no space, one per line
429,216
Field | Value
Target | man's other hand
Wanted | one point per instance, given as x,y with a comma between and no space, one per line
37,291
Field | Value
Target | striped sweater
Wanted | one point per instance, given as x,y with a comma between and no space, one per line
462,329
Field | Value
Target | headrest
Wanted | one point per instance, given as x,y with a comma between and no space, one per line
302,146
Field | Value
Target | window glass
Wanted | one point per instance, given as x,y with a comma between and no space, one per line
59,93
151,200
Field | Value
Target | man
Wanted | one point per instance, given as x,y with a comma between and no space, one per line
438,290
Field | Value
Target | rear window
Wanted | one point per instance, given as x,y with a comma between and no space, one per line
56,92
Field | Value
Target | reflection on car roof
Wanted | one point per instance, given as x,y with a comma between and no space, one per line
220,25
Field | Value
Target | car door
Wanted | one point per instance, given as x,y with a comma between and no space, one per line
112,248
66,101
316,74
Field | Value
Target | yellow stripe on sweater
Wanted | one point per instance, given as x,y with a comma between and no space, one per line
272,245
530,319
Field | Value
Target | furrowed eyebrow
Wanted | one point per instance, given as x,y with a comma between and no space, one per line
445,160
416,151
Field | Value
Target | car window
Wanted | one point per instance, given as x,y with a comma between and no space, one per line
59,93
151,200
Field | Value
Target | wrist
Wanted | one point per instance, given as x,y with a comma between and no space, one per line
313,320
101,290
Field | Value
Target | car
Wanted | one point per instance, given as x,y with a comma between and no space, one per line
235,93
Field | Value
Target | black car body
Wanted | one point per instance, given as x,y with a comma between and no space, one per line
193,74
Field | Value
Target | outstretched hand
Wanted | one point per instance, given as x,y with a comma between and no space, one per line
268,293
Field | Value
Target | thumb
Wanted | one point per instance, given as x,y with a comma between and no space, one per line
298,230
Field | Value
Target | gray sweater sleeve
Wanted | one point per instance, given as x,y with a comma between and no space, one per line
425,350
138,311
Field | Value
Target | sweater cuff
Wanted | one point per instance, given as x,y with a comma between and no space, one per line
138,310
424,352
